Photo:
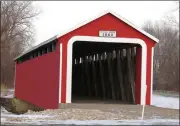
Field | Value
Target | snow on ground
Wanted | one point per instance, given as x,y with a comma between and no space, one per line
7,117
26,116
165,102
99,122
5,113
9,94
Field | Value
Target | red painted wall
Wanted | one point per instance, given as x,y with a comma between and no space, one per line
106,22
37,80
148,75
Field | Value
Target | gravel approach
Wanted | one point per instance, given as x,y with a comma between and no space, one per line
94,112
85,112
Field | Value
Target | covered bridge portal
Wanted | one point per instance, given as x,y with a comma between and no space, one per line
106,58
104,71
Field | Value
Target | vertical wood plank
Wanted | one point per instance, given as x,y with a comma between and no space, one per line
102,76
120,75
109,56
94,76
130,74
87,75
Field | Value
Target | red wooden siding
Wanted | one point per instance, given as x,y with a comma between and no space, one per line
37,80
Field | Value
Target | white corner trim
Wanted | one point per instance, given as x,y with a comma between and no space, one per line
60,71
152,61
116,15
15,78
101,39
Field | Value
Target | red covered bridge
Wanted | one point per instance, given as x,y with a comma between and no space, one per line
44,73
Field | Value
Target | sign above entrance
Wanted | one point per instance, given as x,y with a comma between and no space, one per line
107,33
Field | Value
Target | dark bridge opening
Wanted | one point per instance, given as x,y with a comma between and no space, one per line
104,72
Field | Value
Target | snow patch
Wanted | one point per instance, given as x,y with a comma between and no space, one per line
5,114
25,116
165,102
3,119
8,94
103,122
12,90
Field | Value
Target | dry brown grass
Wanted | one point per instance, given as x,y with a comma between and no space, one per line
4,88
18,106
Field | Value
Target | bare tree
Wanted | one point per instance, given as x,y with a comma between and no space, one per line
170,17
16,34
166,56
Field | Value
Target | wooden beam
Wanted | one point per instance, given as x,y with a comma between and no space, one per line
109,58
120,75
130,74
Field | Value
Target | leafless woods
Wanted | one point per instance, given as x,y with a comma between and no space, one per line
16,34
166,55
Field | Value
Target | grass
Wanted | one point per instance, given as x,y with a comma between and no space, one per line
18,106
4,88
166,93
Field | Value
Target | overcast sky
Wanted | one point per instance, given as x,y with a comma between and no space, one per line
59,16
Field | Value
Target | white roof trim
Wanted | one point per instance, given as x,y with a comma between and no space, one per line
37,46
116,15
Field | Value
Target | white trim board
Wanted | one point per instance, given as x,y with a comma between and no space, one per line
60,71
152,61
116,15
101,39
14,78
